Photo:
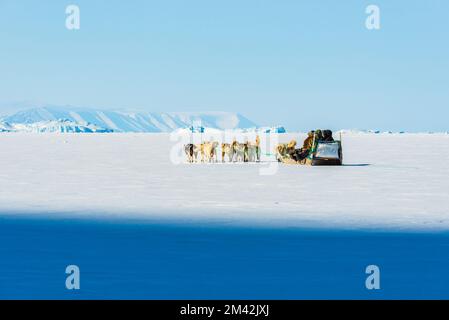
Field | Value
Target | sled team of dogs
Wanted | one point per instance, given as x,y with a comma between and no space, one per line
232,152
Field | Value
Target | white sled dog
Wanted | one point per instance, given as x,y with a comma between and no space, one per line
210,151
227,150
253,152
239,151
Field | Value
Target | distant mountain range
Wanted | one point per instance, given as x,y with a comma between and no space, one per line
70,119
52,126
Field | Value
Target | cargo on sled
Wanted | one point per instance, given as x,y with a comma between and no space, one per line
327,154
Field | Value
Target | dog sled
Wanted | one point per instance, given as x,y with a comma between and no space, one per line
323,154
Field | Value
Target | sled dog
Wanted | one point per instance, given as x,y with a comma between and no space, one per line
284,149
240,151
210,151
227,150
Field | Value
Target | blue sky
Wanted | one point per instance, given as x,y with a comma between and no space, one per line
302,64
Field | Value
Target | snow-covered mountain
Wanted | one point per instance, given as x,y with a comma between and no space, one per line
125,121
5,127
53,126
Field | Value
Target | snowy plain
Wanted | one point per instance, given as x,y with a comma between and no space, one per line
388,182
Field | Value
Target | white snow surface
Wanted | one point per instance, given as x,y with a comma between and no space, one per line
392,182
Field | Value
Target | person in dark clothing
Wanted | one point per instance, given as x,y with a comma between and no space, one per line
327,136
318,135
